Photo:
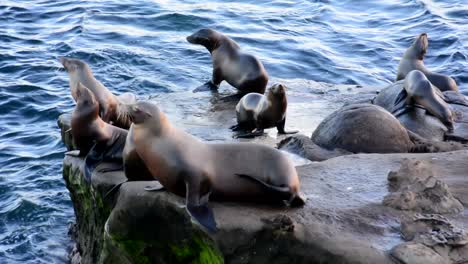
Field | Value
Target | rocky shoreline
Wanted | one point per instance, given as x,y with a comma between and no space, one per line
361,208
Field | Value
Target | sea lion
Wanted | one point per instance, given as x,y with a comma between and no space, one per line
361,128
419,90
196,170
241,70
94,138
420,106
413,60
112,108
256,112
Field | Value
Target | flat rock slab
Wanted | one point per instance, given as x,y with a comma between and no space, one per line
344,206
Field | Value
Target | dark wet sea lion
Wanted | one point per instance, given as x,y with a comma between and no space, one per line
196,170
241,70
256,112
419,106
413,60
361,128
112,109
94,138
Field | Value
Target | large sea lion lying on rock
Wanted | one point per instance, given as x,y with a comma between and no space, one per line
112,109
196,170
413,60
361,128
256,112
94,138
241,70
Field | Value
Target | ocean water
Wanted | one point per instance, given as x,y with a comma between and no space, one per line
140,47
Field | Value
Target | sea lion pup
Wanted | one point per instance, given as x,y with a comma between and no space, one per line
255,112
418,90
94,138
196,170
413,60
241,70
113,109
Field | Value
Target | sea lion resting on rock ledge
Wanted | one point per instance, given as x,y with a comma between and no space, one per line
361,128
112,109
93,137
225,172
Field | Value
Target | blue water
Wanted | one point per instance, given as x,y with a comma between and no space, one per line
140,47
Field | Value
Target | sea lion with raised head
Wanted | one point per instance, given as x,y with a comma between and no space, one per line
196,170
94,138
112,109
413,60
256,112
241,70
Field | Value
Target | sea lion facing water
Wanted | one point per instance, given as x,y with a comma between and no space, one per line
191,168
112,108
413,60
257,112
94,138
241,70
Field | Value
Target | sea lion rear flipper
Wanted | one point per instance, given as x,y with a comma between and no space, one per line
93,159
454,97
280,127
255,133
283,192
208,86
198,208
114,167
157,186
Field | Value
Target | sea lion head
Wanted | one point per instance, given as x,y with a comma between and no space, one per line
86,99
206,37
277,89
419,47
73,66
147,114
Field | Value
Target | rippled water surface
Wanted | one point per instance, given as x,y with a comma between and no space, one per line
140,46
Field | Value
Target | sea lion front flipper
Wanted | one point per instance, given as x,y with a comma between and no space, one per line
208,86
73,153
93,159
400,105
280,127
198,207
254,133
156,187
114,167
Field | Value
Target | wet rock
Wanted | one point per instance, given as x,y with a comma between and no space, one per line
433,239
416,189
416,253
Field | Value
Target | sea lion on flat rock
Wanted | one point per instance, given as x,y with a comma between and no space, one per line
241,70
112,109
256,112
413,60
196,170
361,128
93,137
